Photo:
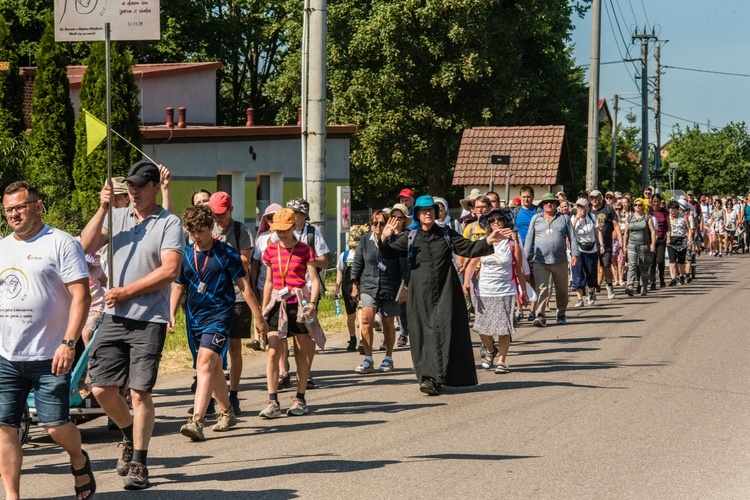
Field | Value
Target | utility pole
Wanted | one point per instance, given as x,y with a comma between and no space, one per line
316,116
592,145
644,38
657,113
614,143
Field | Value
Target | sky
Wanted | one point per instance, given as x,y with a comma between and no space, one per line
707,35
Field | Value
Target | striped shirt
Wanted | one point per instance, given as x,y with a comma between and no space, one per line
288,269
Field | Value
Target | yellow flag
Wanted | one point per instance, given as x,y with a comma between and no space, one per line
96,131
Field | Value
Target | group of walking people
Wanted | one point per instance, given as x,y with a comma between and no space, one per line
415,264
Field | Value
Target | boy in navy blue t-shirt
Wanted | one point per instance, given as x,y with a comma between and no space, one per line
210,269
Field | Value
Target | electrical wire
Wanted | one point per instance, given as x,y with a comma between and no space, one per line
708,71
619,29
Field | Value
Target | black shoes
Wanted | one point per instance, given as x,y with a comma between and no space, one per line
352,346
430,387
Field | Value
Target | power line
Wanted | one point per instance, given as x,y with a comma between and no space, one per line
708,71
644,13
619,29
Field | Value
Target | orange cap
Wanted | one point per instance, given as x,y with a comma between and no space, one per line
283,220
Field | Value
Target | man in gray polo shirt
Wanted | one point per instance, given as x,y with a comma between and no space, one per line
148,244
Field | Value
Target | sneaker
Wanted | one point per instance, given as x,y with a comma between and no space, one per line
310,383
519,314
561,319
225,420
193,429
643,293
483,351
673,283
298,408
137,477
254,345
628,291
352,346
540,321
531,316
610,291
386,365
365,367
638,289
235,402
682,280
402,341
689,279
487,359
285,382
662,283
579,303
501,368
591,299
123,463
272,410
210,410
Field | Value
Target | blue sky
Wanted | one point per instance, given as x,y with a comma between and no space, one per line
708,35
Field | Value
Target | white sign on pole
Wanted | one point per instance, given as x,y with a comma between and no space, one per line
83,20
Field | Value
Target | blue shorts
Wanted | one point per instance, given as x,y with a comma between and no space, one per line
17,378
214,342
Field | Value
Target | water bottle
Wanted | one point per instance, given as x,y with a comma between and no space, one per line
337,305
307,312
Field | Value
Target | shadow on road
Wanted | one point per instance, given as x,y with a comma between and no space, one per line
469,456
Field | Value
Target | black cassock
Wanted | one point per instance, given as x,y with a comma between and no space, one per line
438,321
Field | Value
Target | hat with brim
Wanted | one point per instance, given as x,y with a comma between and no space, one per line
582,202
549,198
264,224
468,202
505,213
402,208
283,220
424,202
119,186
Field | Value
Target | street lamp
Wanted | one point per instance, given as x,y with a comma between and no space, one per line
672,174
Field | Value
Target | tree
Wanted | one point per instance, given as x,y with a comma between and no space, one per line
628,170
413,75
249,38
52,138
89,171
11,87
716,161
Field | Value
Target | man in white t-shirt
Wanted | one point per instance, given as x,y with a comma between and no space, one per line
44,303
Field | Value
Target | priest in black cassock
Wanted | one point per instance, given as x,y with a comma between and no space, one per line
438,321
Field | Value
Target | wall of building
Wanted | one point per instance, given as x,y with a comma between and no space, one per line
195,91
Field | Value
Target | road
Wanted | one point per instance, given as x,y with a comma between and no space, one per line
633,398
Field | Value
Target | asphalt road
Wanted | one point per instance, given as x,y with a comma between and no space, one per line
641,398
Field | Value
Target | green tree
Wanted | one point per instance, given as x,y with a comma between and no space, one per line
52,138
90,171
412,75
11,87
716,161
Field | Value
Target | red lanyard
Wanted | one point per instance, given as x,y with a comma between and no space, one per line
284,272
205,263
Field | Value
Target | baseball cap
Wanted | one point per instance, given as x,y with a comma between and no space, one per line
582,202
406,193
690,193
595,192
299,205
283,220
143,172
220,202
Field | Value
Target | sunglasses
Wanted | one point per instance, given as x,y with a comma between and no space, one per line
610,197
493,220
378,224
637,204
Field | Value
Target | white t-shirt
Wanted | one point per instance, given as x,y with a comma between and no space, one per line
496,272
261,243
34,298
349,259
585,231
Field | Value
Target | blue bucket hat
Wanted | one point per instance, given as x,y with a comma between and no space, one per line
426,201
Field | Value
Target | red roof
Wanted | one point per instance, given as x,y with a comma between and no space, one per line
538,155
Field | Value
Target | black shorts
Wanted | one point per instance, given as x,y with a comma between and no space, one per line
242,321
675,256
295,328
349,303
126,348
605,259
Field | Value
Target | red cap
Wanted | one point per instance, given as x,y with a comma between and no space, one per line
220,202
516,200
406,193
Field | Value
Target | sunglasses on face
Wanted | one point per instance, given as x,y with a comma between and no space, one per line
378,224
637,204
493,220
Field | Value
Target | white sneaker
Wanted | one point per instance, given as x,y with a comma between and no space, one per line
579,303
610,291
591,298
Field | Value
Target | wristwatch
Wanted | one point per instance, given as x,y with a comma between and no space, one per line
70,343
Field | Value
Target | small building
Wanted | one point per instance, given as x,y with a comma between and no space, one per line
256,165
538,157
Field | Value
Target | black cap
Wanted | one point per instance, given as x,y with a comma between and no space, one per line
143,172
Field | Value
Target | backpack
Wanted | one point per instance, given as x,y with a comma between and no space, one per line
310,240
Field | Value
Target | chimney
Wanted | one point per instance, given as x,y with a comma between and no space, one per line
299,117
170,118
250,117
181,111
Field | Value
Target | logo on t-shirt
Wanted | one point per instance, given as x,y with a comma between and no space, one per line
12,283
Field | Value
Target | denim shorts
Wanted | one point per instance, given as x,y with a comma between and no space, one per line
17,378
